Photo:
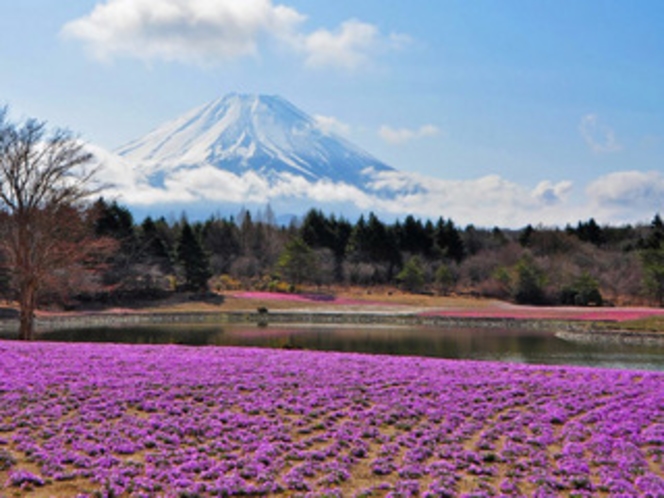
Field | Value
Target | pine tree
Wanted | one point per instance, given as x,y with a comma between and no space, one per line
194,261
372,242
413,237
653,273
316,230
153,248
448,240
530,282
117,222
411,277
297,264
656,235
590,232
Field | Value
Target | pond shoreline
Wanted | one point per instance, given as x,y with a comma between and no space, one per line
573,330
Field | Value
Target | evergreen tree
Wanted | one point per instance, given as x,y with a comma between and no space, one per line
526,235
498,236
657,223
342,230
320,232
583,291
297,264
656,234
448,241
653,273
445,279
530,282
153,248
192,257
411,277
317,231
371,242
357,245
413,237
221,239
455,246
590,232
115,221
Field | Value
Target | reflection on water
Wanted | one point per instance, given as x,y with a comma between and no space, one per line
509,345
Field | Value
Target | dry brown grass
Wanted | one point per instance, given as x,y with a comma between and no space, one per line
350,298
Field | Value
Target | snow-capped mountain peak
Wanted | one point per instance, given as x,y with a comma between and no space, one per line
242,133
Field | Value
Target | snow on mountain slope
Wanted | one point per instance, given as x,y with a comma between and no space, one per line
261,134
246,151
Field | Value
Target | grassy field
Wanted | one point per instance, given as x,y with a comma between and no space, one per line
649,324
387,300
379,300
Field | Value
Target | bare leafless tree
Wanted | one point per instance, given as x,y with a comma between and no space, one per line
43,181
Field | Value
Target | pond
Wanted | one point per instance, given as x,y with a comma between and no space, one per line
496,344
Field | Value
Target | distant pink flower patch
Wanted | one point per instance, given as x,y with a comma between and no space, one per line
276,296
551,313
300,298
622,314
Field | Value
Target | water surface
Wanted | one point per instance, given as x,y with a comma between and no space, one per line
496,344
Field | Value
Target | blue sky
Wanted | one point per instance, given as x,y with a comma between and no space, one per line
558,100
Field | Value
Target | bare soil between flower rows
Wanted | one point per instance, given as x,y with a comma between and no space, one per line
118,420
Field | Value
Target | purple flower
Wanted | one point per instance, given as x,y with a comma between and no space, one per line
23,479
162,420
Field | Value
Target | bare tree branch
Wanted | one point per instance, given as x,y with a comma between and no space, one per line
42,184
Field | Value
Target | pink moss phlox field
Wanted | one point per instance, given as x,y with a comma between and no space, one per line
139,421
271,296
552,313
301,298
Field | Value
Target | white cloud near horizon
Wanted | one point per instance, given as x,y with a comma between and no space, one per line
619,197
208,32
598,136
487,201
400,136
628,191
552,193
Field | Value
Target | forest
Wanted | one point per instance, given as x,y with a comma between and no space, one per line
585,265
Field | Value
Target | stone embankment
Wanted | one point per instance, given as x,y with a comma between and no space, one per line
263,317
571,330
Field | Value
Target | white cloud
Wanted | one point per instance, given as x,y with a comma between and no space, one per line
552,193
330,124
112,170
486,201
216,31
644,189
598,136
626,196
199,31
398,136
350,46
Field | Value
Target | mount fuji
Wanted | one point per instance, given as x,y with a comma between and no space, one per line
251,150
259,135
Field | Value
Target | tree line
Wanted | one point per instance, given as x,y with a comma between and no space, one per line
586,264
